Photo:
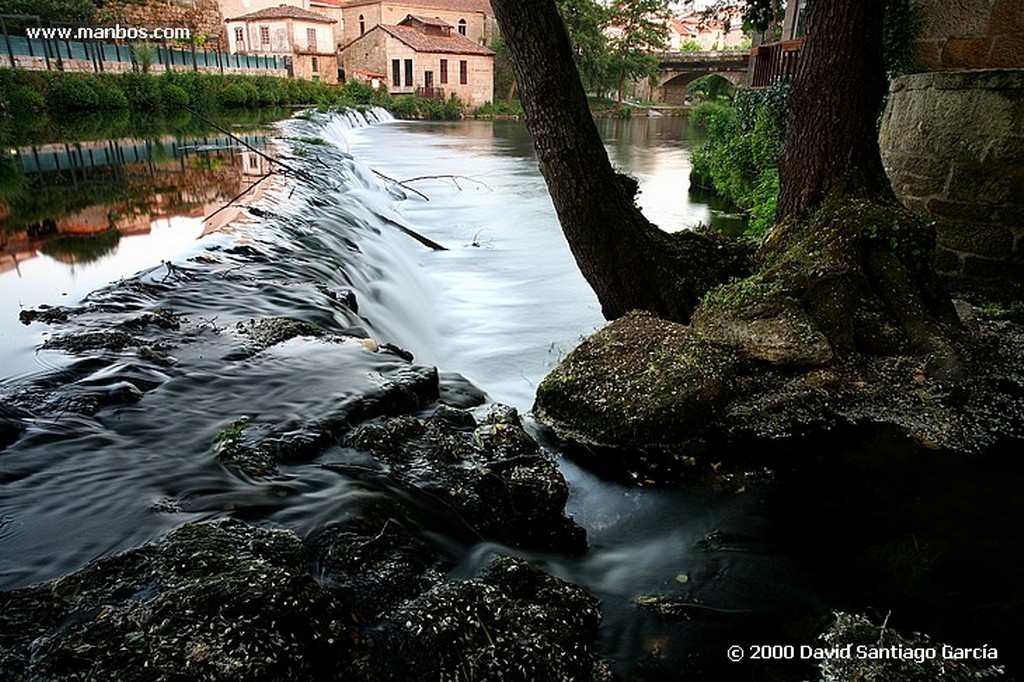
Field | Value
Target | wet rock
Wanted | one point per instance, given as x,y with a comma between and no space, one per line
642,384
84,342
221,601
230,601
264,333
853,633
393,391
513,622
45,314
492,473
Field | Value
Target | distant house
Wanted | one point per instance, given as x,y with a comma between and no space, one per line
473,19
425,56
709,34
307,37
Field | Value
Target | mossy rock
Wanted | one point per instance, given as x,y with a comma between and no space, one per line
641,382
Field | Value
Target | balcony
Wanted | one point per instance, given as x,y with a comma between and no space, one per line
775,63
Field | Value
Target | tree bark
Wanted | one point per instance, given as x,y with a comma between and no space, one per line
628,262
834,104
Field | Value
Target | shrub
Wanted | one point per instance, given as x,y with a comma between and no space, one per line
739,159
142,91
233,95
71,92
25,100
173,96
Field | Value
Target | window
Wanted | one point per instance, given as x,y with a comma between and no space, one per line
462,26
408,73
463,72
316,65
444,72
239,38
362,24
311,39
265,37
396,72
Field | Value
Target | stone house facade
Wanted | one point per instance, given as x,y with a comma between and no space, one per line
307,37
473,19
424,56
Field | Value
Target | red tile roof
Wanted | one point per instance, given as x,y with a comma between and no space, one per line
427,21
285,12
421,42
328,3
451,5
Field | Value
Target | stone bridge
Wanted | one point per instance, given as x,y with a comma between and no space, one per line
679,69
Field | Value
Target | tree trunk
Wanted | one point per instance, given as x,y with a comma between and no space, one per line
628,262
834,105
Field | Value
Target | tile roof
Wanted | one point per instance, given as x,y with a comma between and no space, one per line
328,3
428,21
451,5
285,12
421,42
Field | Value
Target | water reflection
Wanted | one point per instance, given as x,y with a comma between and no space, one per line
77,215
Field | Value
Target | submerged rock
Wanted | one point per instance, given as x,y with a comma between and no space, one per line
232,601
492,473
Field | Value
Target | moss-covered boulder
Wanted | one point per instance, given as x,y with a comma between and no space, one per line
643,384
366,599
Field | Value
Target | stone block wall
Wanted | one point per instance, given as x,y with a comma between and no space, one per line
203,17
953,145
970,34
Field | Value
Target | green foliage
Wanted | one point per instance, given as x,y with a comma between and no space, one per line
739,159
690,45
415,107
142,91
71,92
903,21
145,55
173,96
641,31
585,22
356,94
82,12
710,87
238,94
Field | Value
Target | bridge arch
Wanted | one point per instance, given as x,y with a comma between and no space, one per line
672,87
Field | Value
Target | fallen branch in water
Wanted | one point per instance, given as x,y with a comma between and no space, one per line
426,241
297,172
400,184
453,178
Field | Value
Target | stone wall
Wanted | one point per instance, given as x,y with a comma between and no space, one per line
953,145
203,17
975,34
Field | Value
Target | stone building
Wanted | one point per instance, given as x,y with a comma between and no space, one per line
424,56
473,19
307,37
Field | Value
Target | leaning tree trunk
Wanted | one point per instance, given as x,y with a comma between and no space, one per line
628,262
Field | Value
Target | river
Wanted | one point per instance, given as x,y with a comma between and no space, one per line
500,306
